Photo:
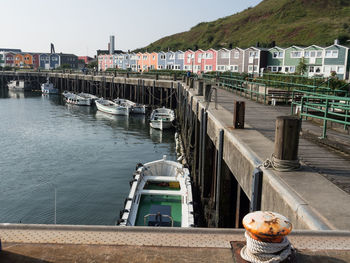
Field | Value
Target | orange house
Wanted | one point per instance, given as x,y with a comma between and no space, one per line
19,60
153,60
145,61
28,60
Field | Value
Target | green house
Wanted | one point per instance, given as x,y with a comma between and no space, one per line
336,61
313,58
292,58
275,59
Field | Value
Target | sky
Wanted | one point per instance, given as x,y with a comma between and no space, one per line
83,26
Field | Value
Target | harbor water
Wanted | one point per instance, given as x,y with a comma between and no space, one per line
84,156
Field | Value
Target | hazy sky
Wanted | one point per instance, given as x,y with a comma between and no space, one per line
83,26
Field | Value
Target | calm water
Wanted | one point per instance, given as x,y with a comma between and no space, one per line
87,156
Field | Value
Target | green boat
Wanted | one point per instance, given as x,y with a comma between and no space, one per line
160,195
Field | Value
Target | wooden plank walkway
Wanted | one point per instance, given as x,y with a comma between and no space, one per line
333,165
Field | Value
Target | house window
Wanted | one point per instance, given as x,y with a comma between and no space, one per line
153,57
224,55
319,54
311,69
279,69
209,55
313,54
162,56
340,69
278,54
306,54
286,69
171,56
253,53
317,69
274,69
250,68
180,56
160,67
236,54
295,54
331,53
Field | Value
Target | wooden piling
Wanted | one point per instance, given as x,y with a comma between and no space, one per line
238,114
287,137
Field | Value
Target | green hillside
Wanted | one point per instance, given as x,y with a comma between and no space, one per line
287,22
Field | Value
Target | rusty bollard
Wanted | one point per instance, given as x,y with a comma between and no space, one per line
266,237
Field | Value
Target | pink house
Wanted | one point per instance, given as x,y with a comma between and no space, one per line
209,60
189,60
198,61
105,62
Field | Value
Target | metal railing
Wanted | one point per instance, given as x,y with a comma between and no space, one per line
326,108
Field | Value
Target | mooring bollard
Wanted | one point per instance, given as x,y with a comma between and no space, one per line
187,81
183,78
238,114
266,237
285,156
174,77
200,88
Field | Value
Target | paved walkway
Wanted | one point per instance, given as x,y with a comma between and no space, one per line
335,166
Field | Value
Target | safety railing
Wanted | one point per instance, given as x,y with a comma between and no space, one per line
327,108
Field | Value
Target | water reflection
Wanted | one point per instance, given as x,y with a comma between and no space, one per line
158,136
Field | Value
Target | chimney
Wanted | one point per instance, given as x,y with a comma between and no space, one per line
109,48
273,44
111,45
257,44
336,41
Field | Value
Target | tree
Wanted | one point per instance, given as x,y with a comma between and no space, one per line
302,67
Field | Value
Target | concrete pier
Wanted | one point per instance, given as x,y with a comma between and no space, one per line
225,162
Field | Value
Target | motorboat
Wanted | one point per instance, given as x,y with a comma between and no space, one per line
162,118
75,99
160,195
48,88
111,107
19,85
88,96
134,107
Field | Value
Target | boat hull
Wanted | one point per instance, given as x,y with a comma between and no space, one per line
160,195
161,125
47,88
115,110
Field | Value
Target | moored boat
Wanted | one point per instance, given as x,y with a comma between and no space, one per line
48,88
111,107
162,118
134,107
19,85
160,195
88,96
75,99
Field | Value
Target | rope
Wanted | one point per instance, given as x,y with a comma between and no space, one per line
281,165
262,252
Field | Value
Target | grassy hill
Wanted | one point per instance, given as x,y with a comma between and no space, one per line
287,22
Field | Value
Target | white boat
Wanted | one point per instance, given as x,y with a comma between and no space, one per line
160,195
134,107
19,85
162,118
77,100
47,88
111,107
88,96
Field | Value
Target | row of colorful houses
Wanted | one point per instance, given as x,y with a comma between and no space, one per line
37,60
320,61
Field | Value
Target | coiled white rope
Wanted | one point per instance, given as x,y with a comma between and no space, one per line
262,252
281,165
